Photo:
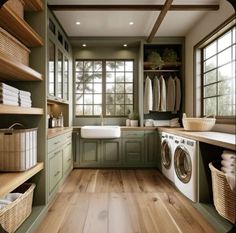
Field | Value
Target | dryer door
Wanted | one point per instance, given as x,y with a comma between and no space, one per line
182,164
166,154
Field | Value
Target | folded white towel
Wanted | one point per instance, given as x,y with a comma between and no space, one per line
8,102
26,105
24,93
25,101
7,92
161,123
228,170
8,98
228,163
26,98
5,202
228,155
8,87
12,196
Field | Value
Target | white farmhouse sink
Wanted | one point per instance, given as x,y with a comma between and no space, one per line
107,131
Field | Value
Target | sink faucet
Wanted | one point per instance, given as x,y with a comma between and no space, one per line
102,119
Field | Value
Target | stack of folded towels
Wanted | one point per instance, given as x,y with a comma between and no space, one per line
228,166
8,199
174,122
8,95
25,99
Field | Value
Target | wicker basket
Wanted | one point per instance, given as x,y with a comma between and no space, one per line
11,47
14,214
18,149
17,6
224,197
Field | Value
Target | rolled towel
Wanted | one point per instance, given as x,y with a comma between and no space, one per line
5,202
2,206
228,155
228,163
12,196
228,170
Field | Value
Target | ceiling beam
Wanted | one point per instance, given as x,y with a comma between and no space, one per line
156,7
159,20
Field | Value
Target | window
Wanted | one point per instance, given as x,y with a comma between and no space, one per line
103,87
218,75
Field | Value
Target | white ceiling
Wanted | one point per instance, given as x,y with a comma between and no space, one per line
116,23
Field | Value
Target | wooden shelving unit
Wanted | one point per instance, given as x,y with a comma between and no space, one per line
36,5
19,28
10,181
8,109
14,71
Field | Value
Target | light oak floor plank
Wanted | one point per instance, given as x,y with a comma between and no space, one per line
121,201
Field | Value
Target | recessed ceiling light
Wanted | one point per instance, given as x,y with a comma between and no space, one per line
125,45
77,23
131,23
84,45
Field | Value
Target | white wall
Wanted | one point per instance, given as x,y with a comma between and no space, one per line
205,26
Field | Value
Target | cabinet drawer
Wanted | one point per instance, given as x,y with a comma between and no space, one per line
55,142
133,134
55,169
67,157
67,137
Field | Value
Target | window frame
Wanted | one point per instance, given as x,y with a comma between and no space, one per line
104,72
228,24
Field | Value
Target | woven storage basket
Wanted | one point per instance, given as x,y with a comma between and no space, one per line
11,47
18,149
14,214
17,6
224,198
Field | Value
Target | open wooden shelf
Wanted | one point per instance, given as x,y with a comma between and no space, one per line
8,109
19,28
35,5
15,71
11,180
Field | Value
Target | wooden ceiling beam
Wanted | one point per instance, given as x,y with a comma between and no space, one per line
159,20
156,7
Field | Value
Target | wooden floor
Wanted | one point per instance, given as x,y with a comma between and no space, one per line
121,201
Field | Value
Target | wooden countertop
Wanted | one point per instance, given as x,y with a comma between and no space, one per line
224,140
11,180
58,131
126,128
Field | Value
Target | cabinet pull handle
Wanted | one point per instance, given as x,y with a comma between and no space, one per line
57,152
55,143
57,173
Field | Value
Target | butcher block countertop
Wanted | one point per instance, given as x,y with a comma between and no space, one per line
58,131
224,140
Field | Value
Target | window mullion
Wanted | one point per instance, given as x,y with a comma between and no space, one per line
104,87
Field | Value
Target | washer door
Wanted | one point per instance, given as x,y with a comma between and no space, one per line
183,164
166,154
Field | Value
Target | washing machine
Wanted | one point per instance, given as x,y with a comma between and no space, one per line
185,166
167,167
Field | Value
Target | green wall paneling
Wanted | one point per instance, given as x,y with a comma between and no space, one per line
151,156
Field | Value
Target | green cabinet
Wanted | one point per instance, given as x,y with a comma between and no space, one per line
67,158
111,152
151,149
89,152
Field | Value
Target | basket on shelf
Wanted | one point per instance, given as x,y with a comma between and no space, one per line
224,197
11,47
17,6
14,214
18,149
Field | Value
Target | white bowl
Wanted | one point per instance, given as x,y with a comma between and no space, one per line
198,124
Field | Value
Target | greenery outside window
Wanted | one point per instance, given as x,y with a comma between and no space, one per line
218,75
103,87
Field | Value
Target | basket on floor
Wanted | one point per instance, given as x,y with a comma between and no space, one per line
224,198
14,214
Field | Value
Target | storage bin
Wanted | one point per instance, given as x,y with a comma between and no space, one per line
224,198
17,6
14,214
18,149
11,47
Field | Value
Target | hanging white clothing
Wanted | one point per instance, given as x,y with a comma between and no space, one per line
148,96
177,94
170,99
163,94
156,94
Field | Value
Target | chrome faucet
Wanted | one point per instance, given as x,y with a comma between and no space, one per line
102,119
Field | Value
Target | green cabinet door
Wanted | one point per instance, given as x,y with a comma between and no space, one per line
150,148
158,150
89,153
111,153
67,158
133,152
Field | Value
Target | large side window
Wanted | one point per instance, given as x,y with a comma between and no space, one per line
218,75
103,87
